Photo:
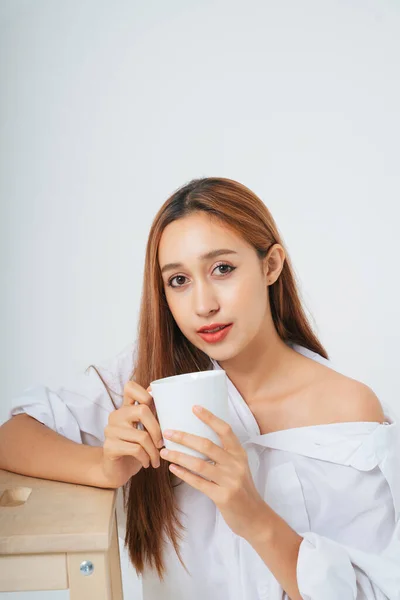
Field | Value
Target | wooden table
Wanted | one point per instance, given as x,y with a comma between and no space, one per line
58,536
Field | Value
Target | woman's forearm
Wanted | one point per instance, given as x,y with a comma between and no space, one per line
278,546
30,448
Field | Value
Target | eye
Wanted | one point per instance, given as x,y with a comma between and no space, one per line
224,265
176,277
169,283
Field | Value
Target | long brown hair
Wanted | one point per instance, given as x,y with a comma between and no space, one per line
162,350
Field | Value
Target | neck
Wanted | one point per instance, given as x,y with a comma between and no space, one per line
261,369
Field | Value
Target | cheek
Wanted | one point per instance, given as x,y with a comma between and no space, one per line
252,304
178,309
248,292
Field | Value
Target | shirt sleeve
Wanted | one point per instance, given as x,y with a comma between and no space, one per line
328,570
362,562
79,409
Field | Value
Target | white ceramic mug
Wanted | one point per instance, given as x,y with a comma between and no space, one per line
174,398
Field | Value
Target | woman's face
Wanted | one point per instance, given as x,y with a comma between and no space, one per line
228,288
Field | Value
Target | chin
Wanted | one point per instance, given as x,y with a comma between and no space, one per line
222,354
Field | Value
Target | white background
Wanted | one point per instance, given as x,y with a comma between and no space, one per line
106,107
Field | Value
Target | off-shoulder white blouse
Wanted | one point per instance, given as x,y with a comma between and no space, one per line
336,485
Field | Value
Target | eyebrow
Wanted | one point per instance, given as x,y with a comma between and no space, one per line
206,256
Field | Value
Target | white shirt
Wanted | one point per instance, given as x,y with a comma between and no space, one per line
336,485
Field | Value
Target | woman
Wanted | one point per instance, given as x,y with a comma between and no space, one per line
303,499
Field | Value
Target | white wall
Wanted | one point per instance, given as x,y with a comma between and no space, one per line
107,107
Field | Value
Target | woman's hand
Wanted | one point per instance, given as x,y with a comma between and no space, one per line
230,485
127,449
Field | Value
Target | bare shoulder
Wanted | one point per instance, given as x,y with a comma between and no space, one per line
360,403
346,399
319,395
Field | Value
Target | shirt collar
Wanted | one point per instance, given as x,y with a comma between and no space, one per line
360,444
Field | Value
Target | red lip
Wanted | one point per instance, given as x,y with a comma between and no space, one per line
212,326
213,338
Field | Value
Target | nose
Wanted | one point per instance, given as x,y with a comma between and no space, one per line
204,299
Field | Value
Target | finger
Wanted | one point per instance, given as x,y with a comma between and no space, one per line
126,448
201,444
142,438
143,414
197,482
135,392
192,463
229,440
